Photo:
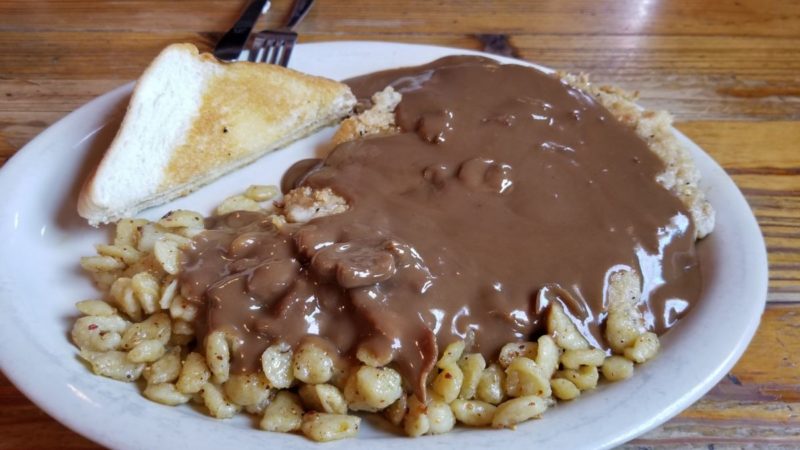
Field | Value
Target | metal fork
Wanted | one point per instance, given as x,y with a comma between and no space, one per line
275,46
233,43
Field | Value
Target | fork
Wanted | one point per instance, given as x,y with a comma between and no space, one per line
275,46
233,43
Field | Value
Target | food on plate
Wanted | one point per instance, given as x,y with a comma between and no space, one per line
485,241
192,119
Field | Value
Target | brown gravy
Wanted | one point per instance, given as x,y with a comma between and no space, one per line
502,181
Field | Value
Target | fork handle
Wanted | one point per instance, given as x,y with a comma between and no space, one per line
250,15
231,44
299,10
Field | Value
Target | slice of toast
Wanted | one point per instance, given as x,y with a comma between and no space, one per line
192,119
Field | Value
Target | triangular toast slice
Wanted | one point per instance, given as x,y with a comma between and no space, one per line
192,119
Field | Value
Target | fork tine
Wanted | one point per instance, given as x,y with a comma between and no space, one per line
268,44
279,53
272,47
258,52
277,47
255,47
287,53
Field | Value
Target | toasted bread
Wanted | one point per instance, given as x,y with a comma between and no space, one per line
192,119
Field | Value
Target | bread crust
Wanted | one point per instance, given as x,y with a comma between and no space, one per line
243,111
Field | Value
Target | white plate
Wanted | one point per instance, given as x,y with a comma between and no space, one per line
42,238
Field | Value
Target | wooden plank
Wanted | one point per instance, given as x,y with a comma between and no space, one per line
763,159
123,55
697,78
632,17
17,128
773,358
758,403
24,426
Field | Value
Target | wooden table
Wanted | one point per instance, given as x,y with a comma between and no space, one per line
728,70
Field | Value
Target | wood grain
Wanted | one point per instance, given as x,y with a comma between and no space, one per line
763,159
24,426
697,77
757,404
353,17
728,70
